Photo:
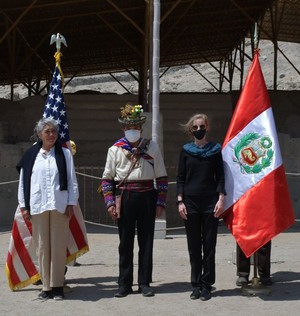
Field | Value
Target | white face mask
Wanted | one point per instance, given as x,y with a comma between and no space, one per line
133,135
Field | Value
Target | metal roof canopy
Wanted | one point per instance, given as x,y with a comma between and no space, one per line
115,35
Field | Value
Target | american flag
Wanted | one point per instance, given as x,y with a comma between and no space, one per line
55,106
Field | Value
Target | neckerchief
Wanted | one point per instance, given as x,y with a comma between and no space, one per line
207,150
124,144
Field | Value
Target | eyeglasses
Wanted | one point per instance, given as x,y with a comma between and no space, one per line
196,127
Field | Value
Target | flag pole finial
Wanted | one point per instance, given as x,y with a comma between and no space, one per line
58,39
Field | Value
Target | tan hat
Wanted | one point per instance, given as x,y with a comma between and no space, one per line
131,115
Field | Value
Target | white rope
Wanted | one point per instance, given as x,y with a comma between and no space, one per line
88,175
9,182
98,178
116,227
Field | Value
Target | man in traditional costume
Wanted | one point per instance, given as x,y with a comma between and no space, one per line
134,187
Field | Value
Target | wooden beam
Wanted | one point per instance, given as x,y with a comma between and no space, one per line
135,49
126,16
47,36
17,20
166,34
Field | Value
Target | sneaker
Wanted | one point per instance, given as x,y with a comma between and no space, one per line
123,291
205,295
45,295
58,293
266,281
242,280
196,293
146,290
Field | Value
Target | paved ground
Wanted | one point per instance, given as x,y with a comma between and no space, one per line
93,283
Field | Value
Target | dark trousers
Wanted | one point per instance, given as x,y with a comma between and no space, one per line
263,261
138,211
201,231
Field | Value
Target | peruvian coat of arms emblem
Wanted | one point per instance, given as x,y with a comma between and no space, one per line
253,153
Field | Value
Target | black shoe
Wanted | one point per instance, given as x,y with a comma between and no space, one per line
242,280
146,290
123,291
266,281
205,295
38,282
196,293
58,293
45,295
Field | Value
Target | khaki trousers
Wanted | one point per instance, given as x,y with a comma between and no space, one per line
50,231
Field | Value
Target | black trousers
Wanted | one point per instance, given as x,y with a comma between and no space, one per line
138,211
263,261
201,230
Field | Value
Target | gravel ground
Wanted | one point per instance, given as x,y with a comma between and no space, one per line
91,286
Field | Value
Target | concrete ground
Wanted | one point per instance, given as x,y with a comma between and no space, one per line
92,285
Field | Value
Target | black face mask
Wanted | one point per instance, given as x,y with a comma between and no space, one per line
199,134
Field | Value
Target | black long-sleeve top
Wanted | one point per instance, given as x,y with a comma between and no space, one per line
200,176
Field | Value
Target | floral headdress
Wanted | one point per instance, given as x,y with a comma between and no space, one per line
131,115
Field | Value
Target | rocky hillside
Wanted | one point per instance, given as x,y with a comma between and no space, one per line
186,79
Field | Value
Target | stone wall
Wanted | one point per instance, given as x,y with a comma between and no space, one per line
94,127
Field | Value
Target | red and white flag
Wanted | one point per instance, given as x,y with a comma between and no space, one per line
258,205
21,264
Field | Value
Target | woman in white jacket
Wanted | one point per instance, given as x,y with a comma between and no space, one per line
47,192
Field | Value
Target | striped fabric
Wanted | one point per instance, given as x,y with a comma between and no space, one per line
22,264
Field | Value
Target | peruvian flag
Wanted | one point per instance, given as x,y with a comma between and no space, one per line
257,204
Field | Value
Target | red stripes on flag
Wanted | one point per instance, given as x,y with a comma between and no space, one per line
21,269
76,231
252,219
21,259
258,201
22,251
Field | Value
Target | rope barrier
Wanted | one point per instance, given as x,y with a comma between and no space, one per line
116,227
99,178
9,182
88,175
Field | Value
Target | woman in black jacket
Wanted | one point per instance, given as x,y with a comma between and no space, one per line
200,200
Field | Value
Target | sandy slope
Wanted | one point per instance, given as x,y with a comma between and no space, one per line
186,79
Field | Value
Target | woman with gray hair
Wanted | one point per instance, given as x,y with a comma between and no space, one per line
47,192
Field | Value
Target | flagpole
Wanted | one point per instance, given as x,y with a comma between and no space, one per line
255,37
255,281
255,287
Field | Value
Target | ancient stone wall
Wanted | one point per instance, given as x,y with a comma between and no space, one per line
94,127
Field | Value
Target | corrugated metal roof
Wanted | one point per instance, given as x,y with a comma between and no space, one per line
112,35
